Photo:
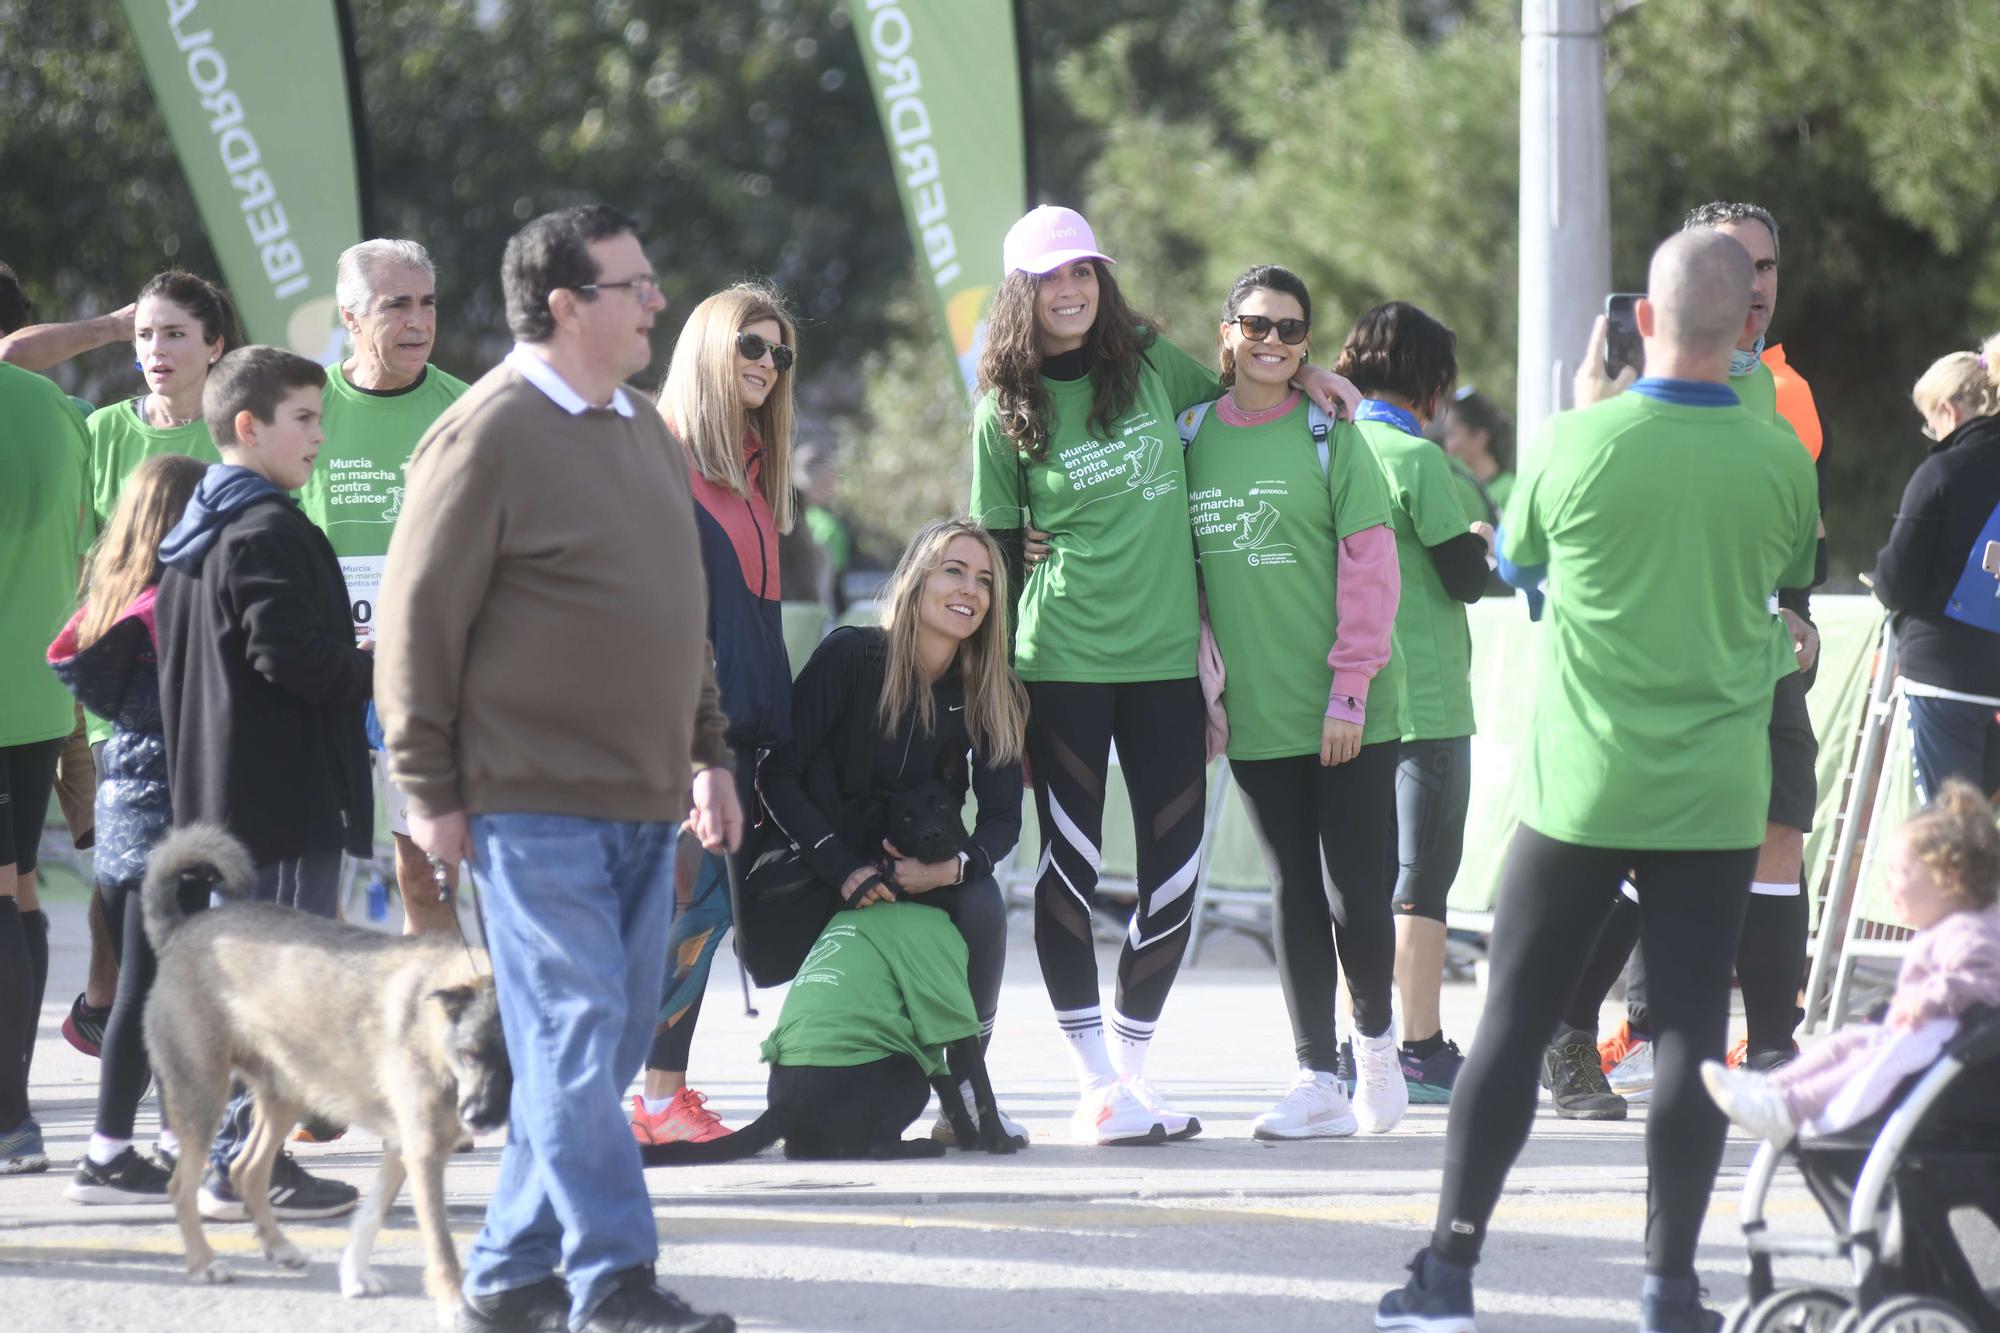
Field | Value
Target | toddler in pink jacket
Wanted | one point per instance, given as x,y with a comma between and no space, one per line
1944,874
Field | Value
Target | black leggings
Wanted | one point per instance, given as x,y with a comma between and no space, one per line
1770,968
1433,791
1553,899
1158,725
1302,810
27,776
123,1071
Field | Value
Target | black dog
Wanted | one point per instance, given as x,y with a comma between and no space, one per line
926,822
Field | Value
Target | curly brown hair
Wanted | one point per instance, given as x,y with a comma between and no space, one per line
1957,841
1011,364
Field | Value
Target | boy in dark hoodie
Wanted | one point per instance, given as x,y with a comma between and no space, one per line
262,686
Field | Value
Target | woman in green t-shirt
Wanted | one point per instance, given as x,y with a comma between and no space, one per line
181,326
1406,362
1298,566
1074,430
1481,438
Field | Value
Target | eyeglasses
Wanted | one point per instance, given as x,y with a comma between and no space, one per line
1291,332
752,346
639,287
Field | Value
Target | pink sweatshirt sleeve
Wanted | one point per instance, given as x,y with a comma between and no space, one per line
1366,593
1955,965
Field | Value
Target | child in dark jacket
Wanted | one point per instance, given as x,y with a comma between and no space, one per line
107,658
262,687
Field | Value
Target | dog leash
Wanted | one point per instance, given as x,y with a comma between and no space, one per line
442,873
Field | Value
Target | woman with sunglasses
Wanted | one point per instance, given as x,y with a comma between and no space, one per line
728,396
1281,519
1406,363
1074,433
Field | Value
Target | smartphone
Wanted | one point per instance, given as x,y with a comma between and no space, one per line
1622,345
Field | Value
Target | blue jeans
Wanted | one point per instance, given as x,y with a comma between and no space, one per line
1950,738
576,922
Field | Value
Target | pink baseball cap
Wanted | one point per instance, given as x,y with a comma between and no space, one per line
1046,239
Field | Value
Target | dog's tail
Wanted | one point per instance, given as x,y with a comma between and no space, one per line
188,862
753,1138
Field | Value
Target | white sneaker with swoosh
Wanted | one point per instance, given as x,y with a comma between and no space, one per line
1314,1107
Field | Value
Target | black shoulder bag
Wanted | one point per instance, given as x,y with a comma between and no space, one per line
781,906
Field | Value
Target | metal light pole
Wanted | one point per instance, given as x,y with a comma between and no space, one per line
1565,201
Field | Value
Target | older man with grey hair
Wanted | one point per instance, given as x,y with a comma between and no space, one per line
1661,520
379,403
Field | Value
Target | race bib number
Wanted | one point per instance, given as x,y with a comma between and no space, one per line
364,584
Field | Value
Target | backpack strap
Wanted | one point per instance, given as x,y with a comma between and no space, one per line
1190,423
1322,429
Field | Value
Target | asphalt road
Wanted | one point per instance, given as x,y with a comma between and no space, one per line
1222,1232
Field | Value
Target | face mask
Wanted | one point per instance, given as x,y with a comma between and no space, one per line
1744,360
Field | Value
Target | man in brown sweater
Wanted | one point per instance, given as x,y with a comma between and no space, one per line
548,699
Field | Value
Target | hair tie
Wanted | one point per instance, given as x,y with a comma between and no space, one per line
1982,360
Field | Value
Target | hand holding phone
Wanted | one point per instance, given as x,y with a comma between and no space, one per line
1623,346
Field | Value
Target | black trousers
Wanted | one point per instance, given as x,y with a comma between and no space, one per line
1302,811
1553,900
123,1070
1158,727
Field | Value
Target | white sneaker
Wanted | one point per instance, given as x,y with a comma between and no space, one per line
1314,1107
1632,1077
942,1131
1111,1114
1750,1101
1380,1094
1178,1126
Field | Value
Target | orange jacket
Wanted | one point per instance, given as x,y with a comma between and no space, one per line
1795,400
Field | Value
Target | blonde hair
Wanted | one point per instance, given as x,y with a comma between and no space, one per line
996,705
126,556
1970,379
1956,839
701,403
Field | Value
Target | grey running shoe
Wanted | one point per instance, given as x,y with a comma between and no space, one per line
1632,1077
1575,1079
21,1151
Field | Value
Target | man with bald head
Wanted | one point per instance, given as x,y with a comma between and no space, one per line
1664,518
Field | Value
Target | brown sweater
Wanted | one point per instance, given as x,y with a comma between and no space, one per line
542,630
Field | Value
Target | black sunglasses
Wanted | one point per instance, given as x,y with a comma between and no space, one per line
752,347
1291,332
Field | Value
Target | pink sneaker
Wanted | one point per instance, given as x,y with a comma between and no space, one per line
687,1119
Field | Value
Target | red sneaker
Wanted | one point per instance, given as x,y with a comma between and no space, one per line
1618,1045
687,1119
1736,1053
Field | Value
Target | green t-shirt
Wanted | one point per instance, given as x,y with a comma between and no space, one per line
356,487
1664,528
43,449
1433,640
1471,495
829,531
1267,528
1115,600
880,981
121,439
1499,488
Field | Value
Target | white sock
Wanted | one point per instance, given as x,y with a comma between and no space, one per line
1129,1039
1780,889
657,1105
104,1151
1083,1031
168,1142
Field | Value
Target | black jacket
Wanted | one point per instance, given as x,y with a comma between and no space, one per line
262,689
118,678
803,783
1949,498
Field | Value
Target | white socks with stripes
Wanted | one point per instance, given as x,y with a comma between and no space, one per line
1083,1033
1129,1039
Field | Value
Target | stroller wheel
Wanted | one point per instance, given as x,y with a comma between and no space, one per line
1794,1310
1909,1314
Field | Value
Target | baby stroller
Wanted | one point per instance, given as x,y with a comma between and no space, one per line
1889,1187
